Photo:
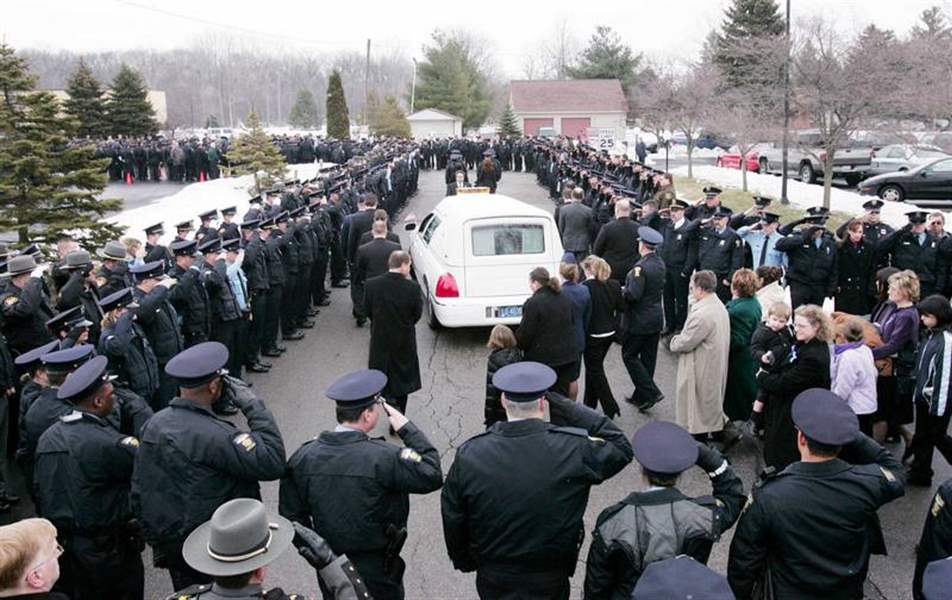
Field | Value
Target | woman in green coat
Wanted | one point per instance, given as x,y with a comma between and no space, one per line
744,313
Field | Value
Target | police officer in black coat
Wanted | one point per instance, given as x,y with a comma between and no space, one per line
680,236
255,267
154,250
514,498
812,262
159,321
936,540
914,248
355,489
80,290
206,229
282,237
617,241
189,296
720,250
223,307
82,479
644,319
124,343
213,461
810,529
24,305
113,274
270,346
229,230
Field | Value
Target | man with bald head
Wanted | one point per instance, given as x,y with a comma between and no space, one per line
617,242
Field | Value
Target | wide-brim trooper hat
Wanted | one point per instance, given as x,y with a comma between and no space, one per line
239,538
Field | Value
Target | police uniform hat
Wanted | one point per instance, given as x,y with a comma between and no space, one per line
649,236
77,259
711,192
762,201
873,205
183,247
230,245
63,361
678,204
31,358
936,579
199,364
149,270
113,251
524,381
208,215
824,417
239,538
769,217
156,229
229,212
917,216
818,211
212,246
123,297
569,258
489,152
267,224
32,250
86,380
722,212
664,447
681,578
184,226
250,224
297,212
74,317
357,389
21,264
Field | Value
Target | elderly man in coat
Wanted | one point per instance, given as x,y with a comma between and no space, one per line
703,347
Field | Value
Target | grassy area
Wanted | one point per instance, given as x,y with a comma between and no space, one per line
689,188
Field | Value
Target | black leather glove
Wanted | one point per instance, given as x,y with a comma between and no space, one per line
312,547
708,458
238,392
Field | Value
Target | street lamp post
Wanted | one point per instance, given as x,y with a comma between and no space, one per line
413,87
786,111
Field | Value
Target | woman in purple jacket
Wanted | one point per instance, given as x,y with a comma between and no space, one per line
898,324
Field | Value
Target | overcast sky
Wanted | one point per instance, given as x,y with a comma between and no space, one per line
665,30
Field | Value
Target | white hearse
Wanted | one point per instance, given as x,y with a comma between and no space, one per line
472,256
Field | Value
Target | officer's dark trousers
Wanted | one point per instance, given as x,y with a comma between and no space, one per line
105,568
357,297
275,305
338,264
227,333
640,354
931,434
288,305
492,584
801,294
723,291
259,324
319,278
675,299
597,388
380,584
302,298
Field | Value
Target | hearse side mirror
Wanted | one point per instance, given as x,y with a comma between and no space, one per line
409,226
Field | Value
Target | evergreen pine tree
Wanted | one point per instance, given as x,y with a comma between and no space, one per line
304,112
48,186
128,108
451,79
253,152
86,103
508,123
389,119
607,57
740,48
338,119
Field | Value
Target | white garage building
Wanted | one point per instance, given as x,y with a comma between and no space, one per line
576,108
432,123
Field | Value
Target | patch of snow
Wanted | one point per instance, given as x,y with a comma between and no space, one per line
681,151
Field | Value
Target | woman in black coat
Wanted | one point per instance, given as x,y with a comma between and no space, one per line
855,265
547,328
607,304
487,175
807,366
505,351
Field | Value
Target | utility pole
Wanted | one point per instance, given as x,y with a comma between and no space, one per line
367,84
786,112
413,87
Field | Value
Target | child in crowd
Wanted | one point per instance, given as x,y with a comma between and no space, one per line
770,345
854,372
502,342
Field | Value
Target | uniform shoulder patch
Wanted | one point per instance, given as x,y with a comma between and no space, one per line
888,474
72,417
937,505
637,271
11,300
411,455
129,442
245,441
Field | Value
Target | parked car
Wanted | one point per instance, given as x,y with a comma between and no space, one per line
472,256
942,139
925,184
731,158
805,158
902,157
710,142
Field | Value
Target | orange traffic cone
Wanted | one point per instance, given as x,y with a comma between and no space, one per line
128,178
201,176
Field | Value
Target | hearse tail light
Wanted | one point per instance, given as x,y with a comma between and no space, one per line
446,286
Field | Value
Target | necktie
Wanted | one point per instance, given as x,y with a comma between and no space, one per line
763,251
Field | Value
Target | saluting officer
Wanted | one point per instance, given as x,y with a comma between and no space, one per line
810,529
113,274
182,230
154,250
24,305
702,211
159,322
762,238
719,250
680,235
936,540
812,258
644,319
191,461
660,522
223,308
229,230
914,248
124,342
354,490
82,478
189,297
514,498
206,230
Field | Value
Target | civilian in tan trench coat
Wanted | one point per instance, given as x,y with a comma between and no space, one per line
703,347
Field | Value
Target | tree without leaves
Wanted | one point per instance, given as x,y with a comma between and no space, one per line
254,153
928,55
932,26
508,123
86,103
452,78
48,186
338,118
128,109
304,112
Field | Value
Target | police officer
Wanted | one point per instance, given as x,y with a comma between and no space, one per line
936,540
270,346
680,234
514,497
113,274
719,250
761,237
82,478
34,378
241,539
660,522
224,312
228,230
914,248
873,229
189,297
154,250
182,230
80,290
681,577
355,489
70,327
125,344
810,529
703,211
207,228
254,265
213,461
24,305
644,319
159,322
812,260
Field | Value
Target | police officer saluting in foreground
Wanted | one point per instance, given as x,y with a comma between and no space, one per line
660,522
190,461
808,531
515,496
355,489
681,577
241,539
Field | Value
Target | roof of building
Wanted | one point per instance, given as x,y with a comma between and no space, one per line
432,114
574,95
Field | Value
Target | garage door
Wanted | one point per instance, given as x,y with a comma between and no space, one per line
576,126
531,126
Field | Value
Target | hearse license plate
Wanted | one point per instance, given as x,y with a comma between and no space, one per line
509,312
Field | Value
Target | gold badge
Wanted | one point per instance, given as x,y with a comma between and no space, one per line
597,440
888,475
130,442
749,503
10,300
245,441
937,505
637,271
411,455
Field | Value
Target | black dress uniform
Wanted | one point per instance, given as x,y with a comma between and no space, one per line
812,266
643,321
154,252
918,252
936,541
223,307
130,353
354,490
83,472
676,252
190,461
514,498
720,251
617,243
277,278
190,298
810,529
25,310
855,270
255,267
159,321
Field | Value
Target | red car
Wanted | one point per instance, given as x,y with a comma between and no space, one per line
731,159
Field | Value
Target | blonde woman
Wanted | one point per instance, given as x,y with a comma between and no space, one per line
607,304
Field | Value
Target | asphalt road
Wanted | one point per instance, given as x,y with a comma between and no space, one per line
449,409
140,193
